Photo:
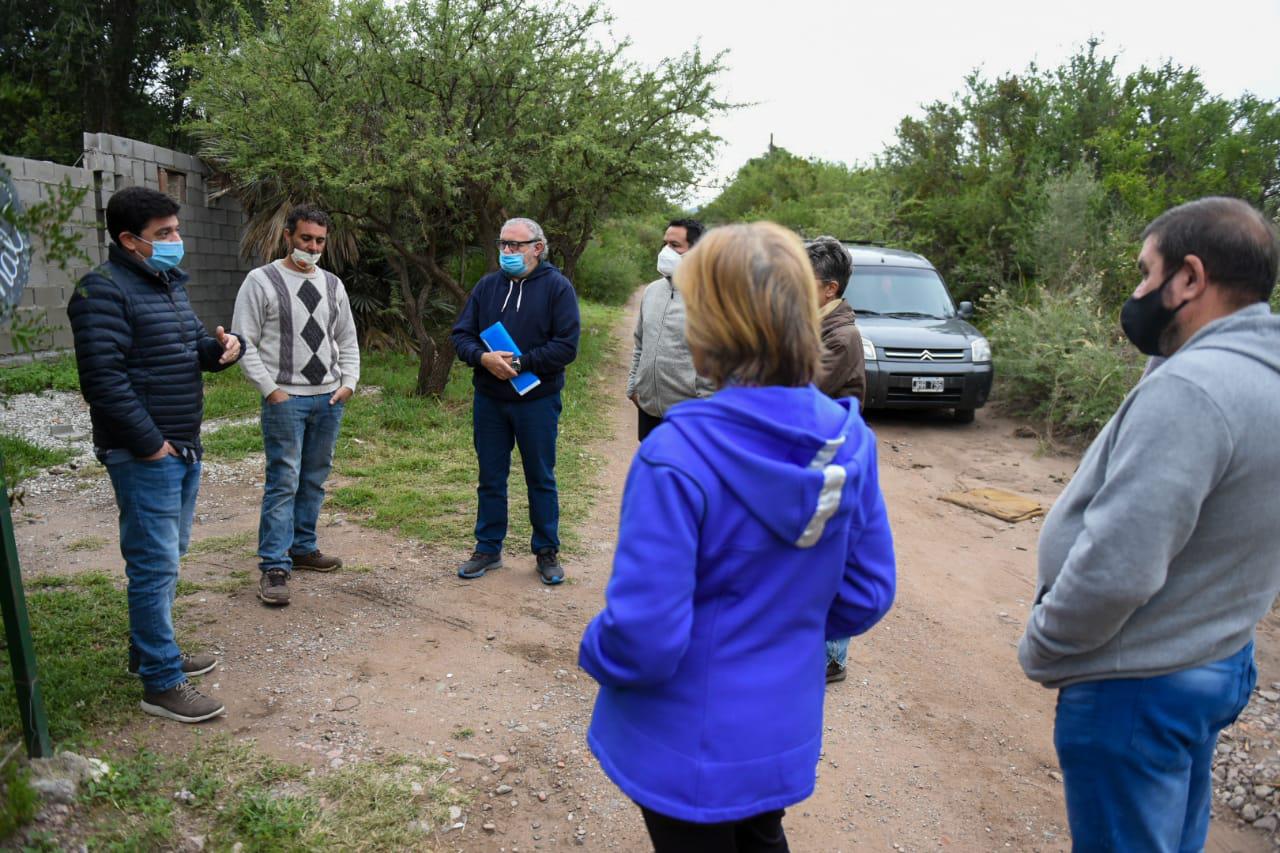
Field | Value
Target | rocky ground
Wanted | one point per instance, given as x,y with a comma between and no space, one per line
936,740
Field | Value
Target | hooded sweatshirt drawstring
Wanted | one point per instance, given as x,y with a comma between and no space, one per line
519,296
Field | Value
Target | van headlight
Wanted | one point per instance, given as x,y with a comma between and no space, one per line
868,349
981,348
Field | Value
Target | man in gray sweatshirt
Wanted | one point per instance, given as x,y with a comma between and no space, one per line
662,372
1162,555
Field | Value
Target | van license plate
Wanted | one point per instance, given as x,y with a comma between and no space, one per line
927,385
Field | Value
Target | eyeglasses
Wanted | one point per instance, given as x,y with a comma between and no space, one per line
514,245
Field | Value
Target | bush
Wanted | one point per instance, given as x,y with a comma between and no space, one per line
622,256
18,800
1061,358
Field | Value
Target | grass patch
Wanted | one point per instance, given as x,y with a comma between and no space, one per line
411,463
80,625
46,374
133,808
464,734
87,543
236,581
373,806
21,459
228,394
233,442
240,795
240,544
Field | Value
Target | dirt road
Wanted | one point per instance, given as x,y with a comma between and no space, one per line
936,739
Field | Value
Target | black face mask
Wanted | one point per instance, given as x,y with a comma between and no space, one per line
1145,318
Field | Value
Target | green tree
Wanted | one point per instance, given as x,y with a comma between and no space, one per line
810,196
67,67
424,125
972,178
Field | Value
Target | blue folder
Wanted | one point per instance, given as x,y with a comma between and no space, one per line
498,339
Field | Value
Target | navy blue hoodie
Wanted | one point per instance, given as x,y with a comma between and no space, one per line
541,314
752,528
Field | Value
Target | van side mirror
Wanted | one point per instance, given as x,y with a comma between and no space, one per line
966,310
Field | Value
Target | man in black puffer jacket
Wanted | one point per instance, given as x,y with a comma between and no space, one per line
140,350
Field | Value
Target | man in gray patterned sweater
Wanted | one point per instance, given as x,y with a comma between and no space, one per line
302,355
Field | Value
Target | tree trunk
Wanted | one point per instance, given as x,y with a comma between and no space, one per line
435,359
573,254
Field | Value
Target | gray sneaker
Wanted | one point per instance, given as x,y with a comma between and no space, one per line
479,563
550,571
273,588
192,665
182,703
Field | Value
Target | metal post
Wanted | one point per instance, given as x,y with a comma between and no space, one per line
17,634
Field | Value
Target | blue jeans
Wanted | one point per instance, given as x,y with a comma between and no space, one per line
157,502
1137,753
533,425
298,437
838,651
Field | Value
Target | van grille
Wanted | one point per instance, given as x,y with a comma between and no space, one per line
925,354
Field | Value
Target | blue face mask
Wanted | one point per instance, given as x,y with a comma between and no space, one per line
512,264
165,255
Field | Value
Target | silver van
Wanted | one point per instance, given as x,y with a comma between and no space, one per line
921,351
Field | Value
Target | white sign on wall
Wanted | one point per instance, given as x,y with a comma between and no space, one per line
15,247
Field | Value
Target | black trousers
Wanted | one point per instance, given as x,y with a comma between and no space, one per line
759,834
646,422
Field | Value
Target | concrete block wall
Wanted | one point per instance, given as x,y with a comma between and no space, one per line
49,287
211,228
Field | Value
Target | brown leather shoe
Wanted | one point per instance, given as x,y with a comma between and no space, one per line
273,588
316,562
182,703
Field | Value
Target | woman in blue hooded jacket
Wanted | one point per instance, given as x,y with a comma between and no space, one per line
752,528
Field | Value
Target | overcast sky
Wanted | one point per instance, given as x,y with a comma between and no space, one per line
833,79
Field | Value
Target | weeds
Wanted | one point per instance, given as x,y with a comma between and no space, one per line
87,543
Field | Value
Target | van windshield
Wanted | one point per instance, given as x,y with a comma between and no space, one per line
898,292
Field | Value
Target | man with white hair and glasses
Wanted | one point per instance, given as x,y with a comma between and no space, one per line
537,307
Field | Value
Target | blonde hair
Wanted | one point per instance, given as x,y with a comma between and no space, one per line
751,307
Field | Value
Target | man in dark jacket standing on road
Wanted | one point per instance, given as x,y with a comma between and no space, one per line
538,308
140,351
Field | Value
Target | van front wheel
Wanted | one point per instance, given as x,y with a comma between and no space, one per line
964,416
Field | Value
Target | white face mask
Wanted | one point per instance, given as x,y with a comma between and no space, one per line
668,260
306,260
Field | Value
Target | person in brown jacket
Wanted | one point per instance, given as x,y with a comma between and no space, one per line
843,372
843,369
